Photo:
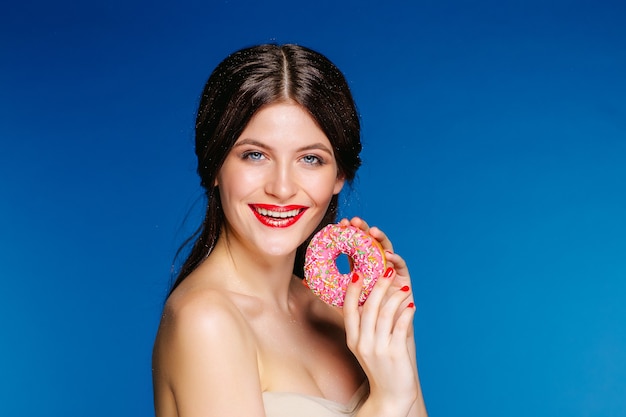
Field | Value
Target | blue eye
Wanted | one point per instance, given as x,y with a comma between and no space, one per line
312,160
253,155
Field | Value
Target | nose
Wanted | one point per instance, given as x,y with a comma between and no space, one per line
282,183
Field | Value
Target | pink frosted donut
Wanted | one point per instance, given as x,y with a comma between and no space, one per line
320,268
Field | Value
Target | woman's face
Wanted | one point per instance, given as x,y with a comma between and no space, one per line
278,179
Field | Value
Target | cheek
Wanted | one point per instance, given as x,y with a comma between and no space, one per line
236,182
321,189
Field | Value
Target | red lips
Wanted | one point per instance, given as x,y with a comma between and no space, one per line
277,216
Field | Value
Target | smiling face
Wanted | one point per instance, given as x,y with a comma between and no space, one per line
278,179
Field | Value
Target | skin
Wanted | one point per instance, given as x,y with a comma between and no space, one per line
242,324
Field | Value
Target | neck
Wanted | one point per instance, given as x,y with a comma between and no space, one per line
254,273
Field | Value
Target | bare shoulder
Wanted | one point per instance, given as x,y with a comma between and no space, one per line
201,313
203,354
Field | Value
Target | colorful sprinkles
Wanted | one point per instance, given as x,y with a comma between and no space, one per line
320,268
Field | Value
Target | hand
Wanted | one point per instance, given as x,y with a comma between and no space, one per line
402,277
380,333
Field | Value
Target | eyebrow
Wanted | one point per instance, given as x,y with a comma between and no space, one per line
253,142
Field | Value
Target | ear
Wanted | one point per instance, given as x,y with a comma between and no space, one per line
338,184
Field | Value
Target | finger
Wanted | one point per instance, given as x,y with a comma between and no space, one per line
403,284
390,310
360,223
403,327
371,307
398,263
381,237
351,314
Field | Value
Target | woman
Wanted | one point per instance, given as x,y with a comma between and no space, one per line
277,135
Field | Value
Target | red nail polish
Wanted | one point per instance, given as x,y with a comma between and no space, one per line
405,288
388,272
305,284
410,305
355,277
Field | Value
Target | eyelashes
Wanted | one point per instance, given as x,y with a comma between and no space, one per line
309,159
313,160
253,155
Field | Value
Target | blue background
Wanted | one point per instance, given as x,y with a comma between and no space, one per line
495,150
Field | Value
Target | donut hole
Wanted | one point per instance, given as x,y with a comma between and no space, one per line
344,264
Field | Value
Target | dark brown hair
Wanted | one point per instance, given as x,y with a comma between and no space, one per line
238,87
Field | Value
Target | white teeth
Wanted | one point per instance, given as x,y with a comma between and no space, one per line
277,214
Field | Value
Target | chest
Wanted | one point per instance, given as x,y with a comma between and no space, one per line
308,357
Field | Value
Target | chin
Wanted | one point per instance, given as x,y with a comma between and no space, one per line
278,249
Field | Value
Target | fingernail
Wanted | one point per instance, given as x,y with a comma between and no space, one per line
305,283
405,288
388,272
410,305
355,277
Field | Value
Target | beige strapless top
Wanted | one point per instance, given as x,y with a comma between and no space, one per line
289,404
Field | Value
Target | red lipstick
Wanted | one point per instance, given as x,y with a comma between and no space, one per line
277,216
